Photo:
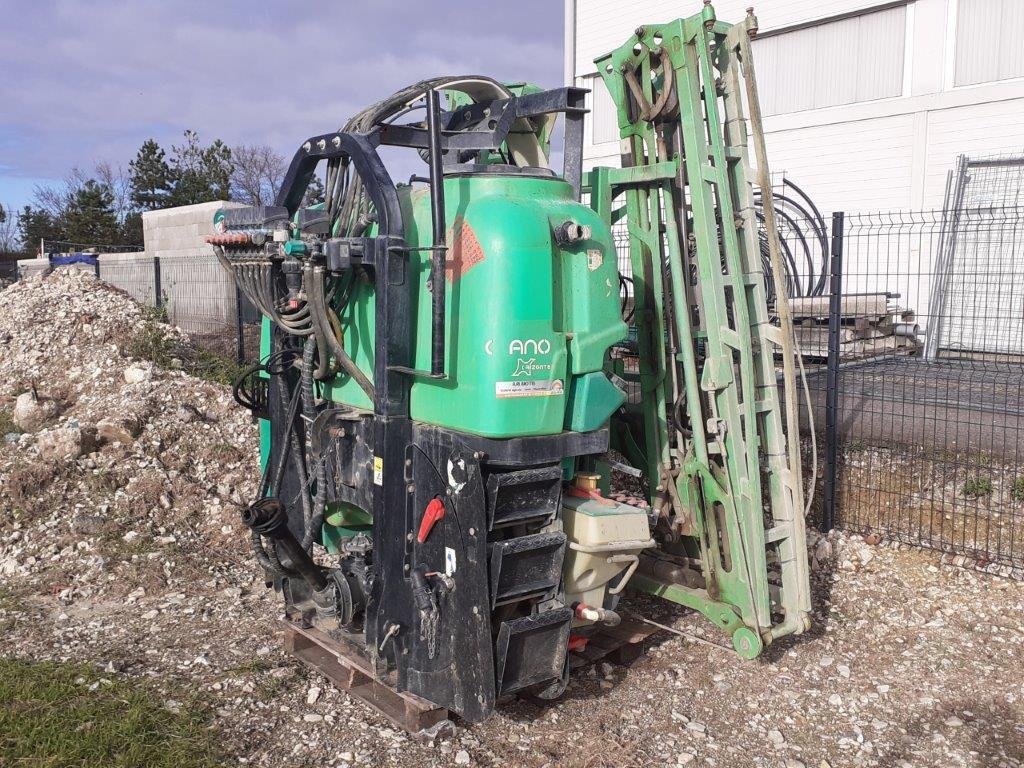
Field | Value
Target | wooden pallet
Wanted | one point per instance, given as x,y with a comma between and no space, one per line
346,667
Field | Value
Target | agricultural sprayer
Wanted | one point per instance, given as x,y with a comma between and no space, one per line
448,381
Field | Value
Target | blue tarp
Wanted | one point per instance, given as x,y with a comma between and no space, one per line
63,259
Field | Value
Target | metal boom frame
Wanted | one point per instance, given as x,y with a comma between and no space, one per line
726,483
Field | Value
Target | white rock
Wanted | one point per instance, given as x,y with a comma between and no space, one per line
462,757
313,695
685,758
62,444
136,374
775,737
30,412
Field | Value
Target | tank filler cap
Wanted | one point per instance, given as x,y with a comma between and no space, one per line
569,232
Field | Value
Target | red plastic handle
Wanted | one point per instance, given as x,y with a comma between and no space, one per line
433,513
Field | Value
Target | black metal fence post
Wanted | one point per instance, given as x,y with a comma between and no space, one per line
157,298
828,517
96,267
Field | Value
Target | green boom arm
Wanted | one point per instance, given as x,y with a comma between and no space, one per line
722,475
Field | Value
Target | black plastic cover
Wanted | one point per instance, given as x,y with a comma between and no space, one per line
526,567
531,650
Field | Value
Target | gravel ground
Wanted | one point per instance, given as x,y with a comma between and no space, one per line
122,548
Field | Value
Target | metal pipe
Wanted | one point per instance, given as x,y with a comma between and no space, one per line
439,251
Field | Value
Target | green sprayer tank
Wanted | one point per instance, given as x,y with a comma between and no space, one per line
530,313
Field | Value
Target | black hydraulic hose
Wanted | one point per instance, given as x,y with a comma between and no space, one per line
320,346
292,410
817,227
267,517
313,525
298,456
317,303
808,258
789,256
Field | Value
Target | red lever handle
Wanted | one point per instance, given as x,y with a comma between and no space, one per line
433,513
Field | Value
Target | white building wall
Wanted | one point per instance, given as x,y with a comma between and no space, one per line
881,154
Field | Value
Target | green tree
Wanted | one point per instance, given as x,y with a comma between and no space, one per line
36,224
131,229
90,217
151,177
201,174
315,192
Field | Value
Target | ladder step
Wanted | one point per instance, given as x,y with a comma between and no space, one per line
710,174
778,533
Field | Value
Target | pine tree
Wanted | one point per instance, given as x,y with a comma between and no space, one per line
90,218
35,225
152,180
201,174
315,192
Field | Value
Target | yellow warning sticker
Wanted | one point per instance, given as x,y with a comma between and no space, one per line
378,470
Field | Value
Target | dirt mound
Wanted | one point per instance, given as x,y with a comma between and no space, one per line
141,469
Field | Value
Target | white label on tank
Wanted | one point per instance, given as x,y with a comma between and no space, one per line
528,388
594,259
449,561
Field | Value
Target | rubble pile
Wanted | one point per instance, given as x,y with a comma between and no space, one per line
135,471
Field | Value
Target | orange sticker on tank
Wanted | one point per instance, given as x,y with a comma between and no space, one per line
464,251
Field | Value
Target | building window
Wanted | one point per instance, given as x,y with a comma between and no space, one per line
853,59
988,41
603,117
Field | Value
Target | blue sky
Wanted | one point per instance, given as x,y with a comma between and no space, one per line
90,81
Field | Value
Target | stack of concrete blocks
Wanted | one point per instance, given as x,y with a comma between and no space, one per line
869,325
197,292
